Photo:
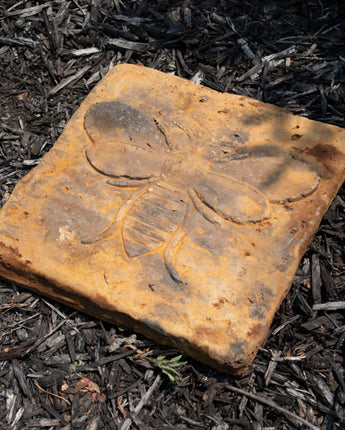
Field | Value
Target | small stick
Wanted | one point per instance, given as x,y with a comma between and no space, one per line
316,282
127,423
85,51
274,405
52,394
69,80
277,330
329,306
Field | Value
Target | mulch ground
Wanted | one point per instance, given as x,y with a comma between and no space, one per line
61,369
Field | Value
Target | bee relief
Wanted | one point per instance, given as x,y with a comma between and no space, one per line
172,180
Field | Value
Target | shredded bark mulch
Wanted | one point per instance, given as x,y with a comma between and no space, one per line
61,369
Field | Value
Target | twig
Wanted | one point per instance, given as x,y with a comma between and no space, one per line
27,12
40,339
18,41
329,306
197,424
69,80
315,279
85,51
274,405
127,423
11,352
52,394
277,330
296,358
246,48
128,44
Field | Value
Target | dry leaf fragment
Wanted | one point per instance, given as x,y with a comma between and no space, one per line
85,384
121,405
97,398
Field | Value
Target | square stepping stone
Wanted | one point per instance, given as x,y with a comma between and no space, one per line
174,210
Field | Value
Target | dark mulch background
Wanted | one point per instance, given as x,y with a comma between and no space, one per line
61,369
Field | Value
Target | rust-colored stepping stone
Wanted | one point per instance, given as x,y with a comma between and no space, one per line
174,210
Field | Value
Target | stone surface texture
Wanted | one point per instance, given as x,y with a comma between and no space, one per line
174,210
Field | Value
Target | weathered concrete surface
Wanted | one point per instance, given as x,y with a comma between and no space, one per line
175,210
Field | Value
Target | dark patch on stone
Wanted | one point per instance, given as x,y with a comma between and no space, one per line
167,311
237,349
103,302
261,303
325,154
283,265
154,326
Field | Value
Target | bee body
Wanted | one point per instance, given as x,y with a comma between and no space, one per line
153,219
173,181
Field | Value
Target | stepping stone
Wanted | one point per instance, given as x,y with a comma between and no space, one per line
174,210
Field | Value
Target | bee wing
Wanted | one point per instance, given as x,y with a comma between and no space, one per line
232,199
153,219
280,178
125,143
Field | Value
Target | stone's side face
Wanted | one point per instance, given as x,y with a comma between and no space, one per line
175,210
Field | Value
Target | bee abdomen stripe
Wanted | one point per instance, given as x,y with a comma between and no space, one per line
153,219
163,201
159,210
160,224
137,243
134,249
173,194
147,230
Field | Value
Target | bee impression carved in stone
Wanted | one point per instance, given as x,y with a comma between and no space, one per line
170,180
